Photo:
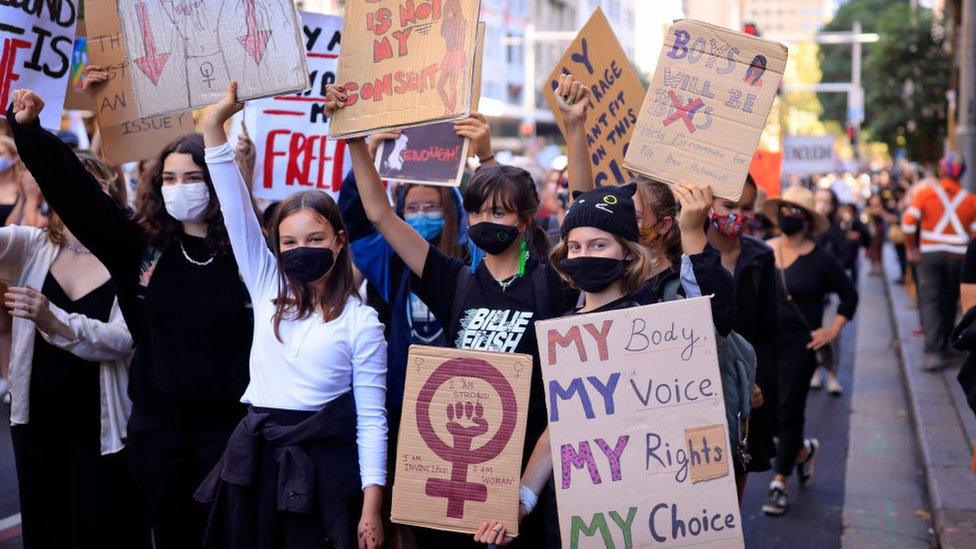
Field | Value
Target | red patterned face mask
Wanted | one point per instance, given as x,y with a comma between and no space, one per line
730,225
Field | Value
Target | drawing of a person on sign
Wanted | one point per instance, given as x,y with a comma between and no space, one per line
454,65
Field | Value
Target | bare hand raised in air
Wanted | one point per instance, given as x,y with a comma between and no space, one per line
27,106
572,98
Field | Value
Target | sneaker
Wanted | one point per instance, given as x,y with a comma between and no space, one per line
933,362
816,382
775,504
833,385
804,467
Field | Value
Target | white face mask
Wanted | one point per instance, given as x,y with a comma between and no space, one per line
186,202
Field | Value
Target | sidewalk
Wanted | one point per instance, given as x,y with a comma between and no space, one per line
945,427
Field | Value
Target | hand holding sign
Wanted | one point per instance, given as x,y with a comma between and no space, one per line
27,106
94,76
696,201
475,127
218,113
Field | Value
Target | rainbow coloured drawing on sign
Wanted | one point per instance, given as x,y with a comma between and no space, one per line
79,60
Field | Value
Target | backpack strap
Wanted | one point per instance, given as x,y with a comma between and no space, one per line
463,284
671,288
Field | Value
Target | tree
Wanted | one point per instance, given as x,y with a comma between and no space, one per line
909,72
904,76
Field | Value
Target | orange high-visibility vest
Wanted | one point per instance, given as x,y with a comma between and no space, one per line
945,217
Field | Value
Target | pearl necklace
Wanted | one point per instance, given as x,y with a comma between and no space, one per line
191,260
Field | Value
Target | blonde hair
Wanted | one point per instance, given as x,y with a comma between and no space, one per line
637,270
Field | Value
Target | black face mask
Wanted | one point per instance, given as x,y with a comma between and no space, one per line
593,274
307,264
493,238
790,224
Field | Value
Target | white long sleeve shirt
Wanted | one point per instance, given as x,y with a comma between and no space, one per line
315,361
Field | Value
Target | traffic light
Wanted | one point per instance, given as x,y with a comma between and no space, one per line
852,134
750,28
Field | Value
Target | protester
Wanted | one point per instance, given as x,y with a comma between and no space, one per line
599,254
318,376
9,186
752,265
183,300
806,275
964,335
938,226
512,279
69,372
843,239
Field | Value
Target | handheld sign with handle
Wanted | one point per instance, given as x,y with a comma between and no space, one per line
637,427
596,59
459,453
706,107
405,64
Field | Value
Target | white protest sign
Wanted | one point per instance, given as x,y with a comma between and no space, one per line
637,426
183,54
36,42
290,132
807,155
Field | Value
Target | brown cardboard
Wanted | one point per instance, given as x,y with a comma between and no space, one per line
713,438
596,59
397,67
125,136
624,388
445,478
705,109
182,55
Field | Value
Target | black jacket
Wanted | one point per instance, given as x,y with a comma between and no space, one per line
757,311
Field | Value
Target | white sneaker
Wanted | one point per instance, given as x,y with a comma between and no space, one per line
833,385
816,382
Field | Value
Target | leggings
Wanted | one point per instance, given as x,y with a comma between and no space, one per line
796,366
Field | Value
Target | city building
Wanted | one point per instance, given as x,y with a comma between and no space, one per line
781,20
961,39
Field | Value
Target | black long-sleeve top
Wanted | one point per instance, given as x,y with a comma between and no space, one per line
191,324
810,279
757,310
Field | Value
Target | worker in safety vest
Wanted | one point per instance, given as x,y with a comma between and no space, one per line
937,228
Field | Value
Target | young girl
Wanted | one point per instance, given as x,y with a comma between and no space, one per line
183,301
495,307
752,265
69,405
318,377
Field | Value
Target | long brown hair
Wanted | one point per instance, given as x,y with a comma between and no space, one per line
161,229
657,198
449,242
296,300
513,190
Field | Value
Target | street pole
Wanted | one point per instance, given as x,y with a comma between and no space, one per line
528,88
856,97
966,129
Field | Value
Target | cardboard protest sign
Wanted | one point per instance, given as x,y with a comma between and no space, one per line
75,97
126,137
459,453
808,155
596,59
405,63
36,41
291,131
183,54
706,107
432,155
637,426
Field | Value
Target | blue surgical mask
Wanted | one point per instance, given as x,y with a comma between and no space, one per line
6,163
429,225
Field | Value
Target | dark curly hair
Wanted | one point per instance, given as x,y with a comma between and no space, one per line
161,229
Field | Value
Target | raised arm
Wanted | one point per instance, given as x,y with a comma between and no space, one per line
406,242
573,101
255,261
90,214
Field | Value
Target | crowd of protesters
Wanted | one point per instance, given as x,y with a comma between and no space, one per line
187,369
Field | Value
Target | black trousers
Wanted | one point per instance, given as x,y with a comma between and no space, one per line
938,297
168,464
70,495
796,364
